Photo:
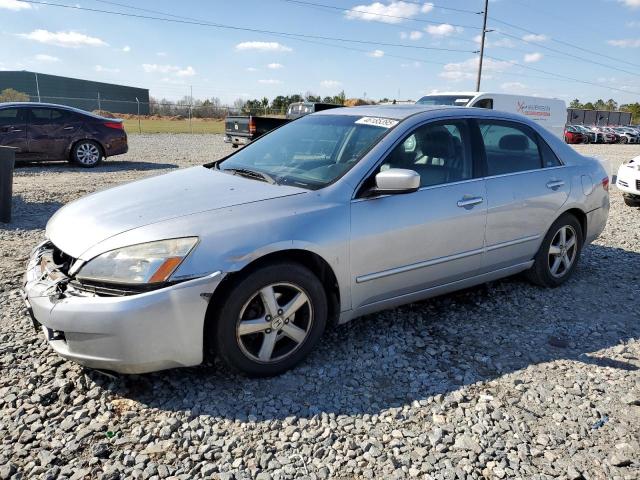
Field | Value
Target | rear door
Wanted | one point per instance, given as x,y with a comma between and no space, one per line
13,129
50,132
527,185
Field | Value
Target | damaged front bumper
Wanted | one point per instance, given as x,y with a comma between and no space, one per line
126,333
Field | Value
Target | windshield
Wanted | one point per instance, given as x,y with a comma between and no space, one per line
312,151
454,100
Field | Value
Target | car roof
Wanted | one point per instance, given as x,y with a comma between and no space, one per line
49,105
402,112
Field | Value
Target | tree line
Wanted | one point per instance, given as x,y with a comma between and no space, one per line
610,105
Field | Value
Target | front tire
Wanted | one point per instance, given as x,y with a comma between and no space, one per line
559,253
271,320
87,153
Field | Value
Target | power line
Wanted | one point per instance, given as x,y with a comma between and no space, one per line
293,36
563,76
502,22
442,7
365,12
569,55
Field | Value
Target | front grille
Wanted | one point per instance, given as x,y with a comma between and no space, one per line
103,290
623,183
637,184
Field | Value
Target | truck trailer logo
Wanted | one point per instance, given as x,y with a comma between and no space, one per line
533,110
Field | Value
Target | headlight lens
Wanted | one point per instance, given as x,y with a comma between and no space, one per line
145,263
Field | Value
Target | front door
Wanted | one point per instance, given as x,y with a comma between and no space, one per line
407,243
13,129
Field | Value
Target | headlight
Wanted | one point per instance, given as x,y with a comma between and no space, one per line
152,262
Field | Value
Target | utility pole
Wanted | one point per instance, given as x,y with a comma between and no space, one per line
190,106
484,32
38,88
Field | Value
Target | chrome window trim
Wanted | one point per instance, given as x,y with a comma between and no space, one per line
523,172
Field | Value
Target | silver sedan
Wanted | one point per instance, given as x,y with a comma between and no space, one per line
335,215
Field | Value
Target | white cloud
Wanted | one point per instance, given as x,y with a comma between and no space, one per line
503,42
126,49
100,68
186,72
626,43
390,13
631,3
511,86
533,57
413,35
414,64
263,46
47,58
443,30
68,39
469,69
14,5
330,83
270,81
535,38
376,54
169,69
275,66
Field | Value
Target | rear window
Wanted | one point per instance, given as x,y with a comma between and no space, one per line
46,115
453,100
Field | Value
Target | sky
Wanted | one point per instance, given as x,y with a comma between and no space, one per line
393,49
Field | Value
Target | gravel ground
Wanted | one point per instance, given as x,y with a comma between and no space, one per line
505,380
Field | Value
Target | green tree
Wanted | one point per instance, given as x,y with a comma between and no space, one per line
11,95
634,108
588,106
600,104
575,103
612,104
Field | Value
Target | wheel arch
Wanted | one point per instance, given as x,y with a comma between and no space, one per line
581,216
311,260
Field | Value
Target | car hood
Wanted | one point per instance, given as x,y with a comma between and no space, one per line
90,220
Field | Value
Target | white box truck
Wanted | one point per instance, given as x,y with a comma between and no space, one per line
551,113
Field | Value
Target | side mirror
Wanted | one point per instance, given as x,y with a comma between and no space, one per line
397,180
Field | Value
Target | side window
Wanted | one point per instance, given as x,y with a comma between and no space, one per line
510,147
549,159
437,151
9,116
484,103
46,115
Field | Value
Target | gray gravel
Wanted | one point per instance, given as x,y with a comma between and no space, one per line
505,380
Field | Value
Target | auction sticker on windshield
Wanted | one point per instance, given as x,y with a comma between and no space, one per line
377,122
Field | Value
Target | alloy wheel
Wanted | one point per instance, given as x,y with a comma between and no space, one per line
87,154
274,322
562,251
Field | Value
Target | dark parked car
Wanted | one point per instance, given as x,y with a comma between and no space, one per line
43,131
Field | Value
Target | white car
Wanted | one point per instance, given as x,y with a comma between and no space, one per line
628,181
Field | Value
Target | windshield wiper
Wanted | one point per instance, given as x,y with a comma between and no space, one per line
245,172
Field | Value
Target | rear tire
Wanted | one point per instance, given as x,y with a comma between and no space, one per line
87,153
271,320
559,253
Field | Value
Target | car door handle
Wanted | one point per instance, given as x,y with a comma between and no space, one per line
470,202
68,128
555,184
15,130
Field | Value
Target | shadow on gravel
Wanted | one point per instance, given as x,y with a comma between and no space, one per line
105,167
434,347
30,215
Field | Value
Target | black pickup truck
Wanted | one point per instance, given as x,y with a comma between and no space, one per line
242,129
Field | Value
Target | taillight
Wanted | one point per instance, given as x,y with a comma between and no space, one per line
252,126
605,183
116,125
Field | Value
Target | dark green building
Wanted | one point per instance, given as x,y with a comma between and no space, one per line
78,93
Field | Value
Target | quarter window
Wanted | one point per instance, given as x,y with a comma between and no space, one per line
509,147
436,151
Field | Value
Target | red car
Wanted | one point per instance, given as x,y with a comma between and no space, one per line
573,135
